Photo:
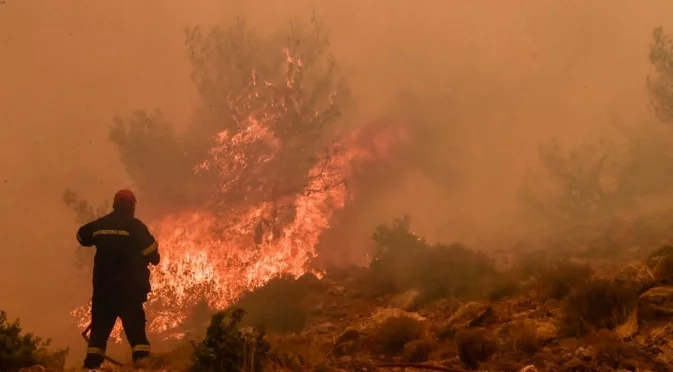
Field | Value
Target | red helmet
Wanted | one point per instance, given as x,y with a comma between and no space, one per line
125,198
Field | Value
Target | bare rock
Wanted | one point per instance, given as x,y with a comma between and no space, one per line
662,333
318,308
528,368
36,368
636,274
325,328
348,335
656,257
661,264
472,314
382,314
367,326
337,290
524,314
544,330
662,338
552,308
585,353
345,359
347,342
406,301
656,303
527,335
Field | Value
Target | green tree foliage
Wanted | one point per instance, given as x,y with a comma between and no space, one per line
21,350
227,347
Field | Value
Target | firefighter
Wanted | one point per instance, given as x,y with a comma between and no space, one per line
121,278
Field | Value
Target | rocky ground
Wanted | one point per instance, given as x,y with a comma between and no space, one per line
521,333
614,318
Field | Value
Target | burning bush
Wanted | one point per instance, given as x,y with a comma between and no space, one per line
19,350
597,304
404,260
229,348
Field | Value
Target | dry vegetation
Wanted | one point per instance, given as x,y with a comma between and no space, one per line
581,301
19,349
562,317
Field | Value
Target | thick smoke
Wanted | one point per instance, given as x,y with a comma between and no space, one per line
477,86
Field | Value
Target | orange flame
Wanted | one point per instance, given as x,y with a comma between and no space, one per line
214,258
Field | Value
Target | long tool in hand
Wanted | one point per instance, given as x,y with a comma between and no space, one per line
85,334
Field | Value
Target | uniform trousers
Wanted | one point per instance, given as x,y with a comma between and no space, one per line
105,309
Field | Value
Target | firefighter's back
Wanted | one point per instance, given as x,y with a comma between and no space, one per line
118,261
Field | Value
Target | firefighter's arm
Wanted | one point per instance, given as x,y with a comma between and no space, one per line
85,235
149,245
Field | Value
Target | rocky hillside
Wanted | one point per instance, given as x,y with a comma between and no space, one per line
568,318
447,308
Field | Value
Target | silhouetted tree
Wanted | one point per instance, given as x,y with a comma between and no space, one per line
661,84
593,182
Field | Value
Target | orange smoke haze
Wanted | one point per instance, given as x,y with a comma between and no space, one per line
480,84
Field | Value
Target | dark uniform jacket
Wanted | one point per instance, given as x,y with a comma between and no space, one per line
124,249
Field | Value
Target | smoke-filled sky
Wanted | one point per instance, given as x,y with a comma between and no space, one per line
492,78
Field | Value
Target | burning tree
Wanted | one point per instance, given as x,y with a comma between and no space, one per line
269,102
279,122
243,194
